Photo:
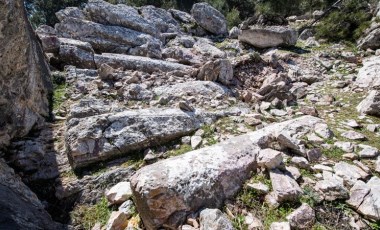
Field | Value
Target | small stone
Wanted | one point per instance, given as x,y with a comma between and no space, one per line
314,154
196,141
332,189
278,112
117,221
368,151
259,187
347,147
350,156
269,158
352,135
193,222
253,222
128,208
183,105
302,218
186,140
285,188
280,226
353,124
323,131
321,168
307,110
373,128
294,171
214,219
119,193
301,162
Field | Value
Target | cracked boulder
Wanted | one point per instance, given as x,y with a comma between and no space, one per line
209,18
168,191
101,137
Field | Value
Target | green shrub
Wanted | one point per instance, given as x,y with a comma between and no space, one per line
233,18
348,23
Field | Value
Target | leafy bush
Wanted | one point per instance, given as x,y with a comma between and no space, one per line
348,23
233,18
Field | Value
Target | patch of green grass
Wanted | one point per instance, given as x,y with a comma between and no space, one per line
88,215
239,222
59,96
319,226
333,153
261,178
375,226
307,173
176,152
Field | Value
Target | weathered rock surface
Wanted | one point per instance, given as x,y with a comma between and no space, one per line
119,15
209,18
285,188
119,193
220,70
369,74
106,38
267,37
349,173
371,104
366,198
128,62
100,137
24,77
214,219
302,218
167,191
19,206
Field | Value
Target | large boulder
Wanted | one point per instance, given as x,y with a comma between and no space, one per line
24,74
371,104
220,70
161,19
209,18
118,15
168,191
19,206
270,36
107,38
100,137
369,74
129,62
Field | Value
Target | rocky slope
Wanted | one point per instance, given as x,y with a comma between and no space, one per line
163,120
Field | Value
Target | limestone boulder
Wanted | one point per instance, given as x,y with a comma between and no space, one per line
168,191
209,18
267,37
119,15
24,77
129,62
371,104
100,137
107,38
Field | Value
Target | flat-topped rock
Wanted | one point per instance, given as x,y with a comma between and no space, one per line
266,37
118,15
107,38
96,138
128,62
369,74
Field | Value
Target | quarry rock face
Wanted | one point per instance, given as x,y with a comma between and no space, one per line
24,74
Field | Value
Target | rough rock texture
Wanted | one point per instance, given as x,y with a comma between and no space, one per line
96,138
24,75
214,219
209,18
267,37
285,187
369,74
366,198
149,65
220,70
106,38
302,218
19,206
371,104
167,191
118,15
